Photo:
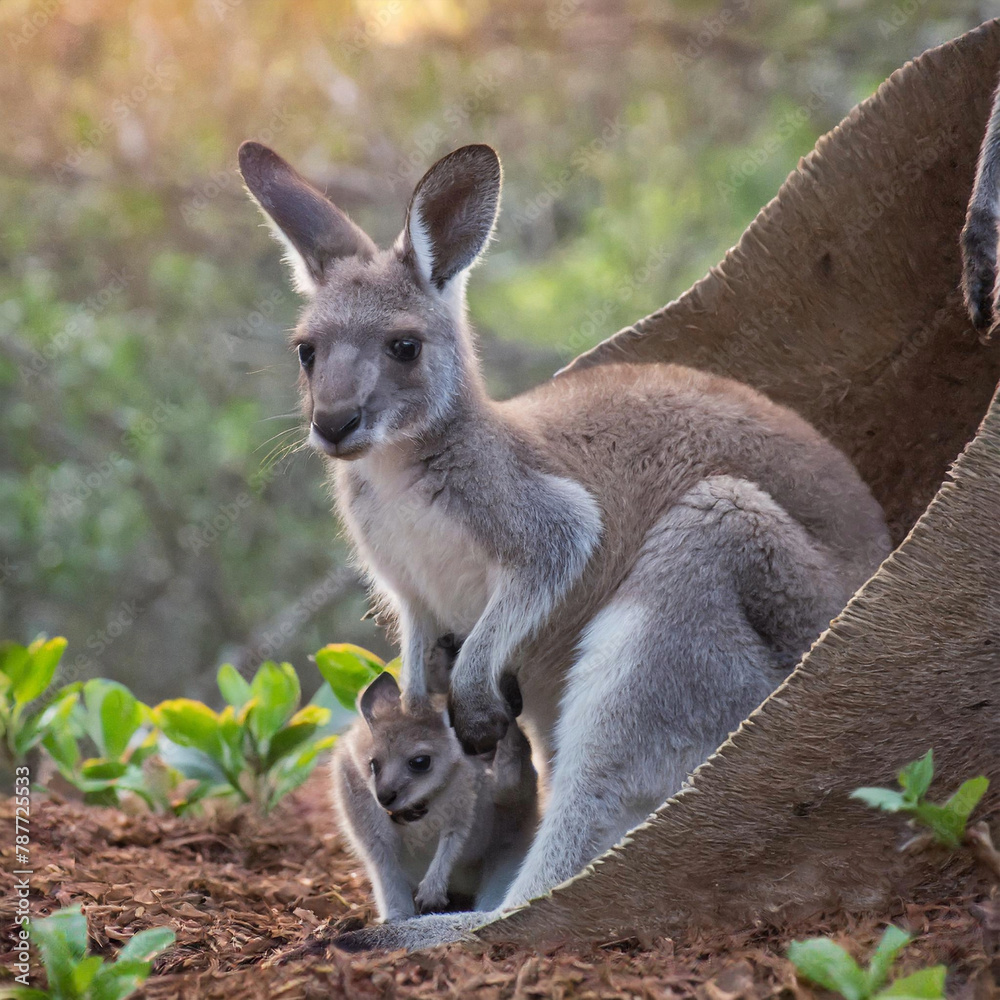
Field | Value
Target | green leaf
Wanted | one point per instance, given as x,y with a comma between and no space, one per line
234,687
15,662
84,972
276,688
946,826
828,965
22,993
42,660
190,724
59,738
121,716
146,945
286,741
880,798
893,941
99,769
95,693
965,800
927,984
232,730
29,735
348,669
117,981
145,749
917,776
62,944
314,715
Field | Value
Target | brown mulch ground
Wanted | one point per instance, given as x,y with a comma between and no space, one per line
251,901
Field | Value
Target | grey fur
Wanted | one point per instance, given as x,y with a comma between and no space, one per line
639,553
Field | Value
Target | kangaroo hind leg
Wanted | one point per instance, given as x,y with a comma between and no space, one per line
725,594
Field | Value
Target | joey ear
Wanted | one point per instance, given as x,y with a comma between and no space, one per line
313,230
452,213
382,695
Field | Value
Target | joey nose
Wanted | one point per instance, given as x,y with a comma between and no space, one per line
386,798
337,425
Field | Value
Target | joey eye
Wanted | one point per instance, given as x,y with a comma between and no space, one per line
406,349
376,768
307,356
422,763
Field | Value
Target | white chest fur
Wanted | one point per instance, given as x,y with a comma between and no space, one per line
411,546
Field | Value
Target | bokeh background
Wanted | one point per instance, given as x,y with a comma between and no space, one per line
154,507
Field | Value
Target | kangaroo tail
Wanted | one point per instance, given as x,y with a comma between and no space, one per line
414,934
979,237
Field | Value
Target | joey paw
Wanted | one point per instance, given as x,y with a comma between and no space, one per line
431,898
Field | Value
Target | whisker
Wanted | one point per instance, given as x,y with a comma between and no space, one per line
282,416
274,437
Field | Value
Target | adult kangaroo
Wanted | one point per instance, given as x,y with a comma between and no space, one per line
634,555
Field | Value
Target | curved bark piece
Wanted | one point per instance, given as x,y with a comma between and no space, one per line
842,301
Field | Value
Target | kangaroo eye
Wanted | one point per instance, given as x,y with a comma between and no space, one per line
307,355
420,763
376,767
405,350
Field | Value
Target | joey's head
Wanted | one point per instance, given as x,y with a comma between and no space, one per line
412,752
383,344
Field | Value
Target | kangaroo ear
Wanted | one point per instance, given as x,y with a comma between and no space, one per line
313,230
381,696
452,214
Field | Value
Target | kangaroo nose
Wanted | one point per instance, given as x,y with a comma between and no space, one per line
387,798
338,425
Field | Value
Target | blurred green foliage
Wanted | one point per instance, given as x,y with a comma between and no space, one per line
144,378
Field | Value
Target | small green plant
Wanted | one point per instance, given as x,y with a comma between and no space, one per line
72,974
109,745
945,822
259,747
106,717
349,669
26,673
826,964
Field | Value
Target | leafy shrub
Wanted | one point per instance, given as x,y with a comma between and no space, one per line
826,964
108,744
349,669
26,673
72,974
946,822
260,746
118,728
